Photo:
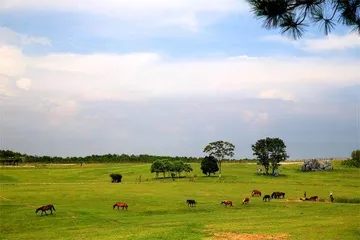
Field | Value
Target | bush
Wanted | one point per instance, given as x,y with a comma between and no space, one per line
354,161
116,178
347,200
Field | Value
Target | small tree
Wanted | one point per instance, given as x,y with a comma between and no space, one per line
293,16
220,150
178,167
157,167
270,151
209,165
187,168
115,177
168,166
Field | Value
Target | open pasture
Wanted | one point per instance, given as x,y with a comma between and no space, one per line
84,197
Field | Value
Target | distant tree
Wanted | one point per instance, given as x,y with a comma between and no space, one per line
293,16
270,152
169,166
178,166
354,161
220,150
209,165
115,177
157,167
187,168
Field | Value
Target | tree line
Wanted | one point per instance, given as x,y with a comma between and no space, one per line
106,158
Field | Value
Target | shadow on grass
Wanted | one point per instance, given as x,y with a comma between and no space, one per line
270,176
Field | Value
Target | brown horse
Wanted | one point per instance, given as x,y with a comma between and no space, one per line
266,198
190,202
226,202
120,204
246,201
278,195
313,198
255,193
45,208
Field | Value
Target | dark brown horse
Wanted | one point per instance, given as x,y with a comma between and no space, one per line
190,202
278,195
45,208
313,198
255,193
266,198
120,204
226,202
246,201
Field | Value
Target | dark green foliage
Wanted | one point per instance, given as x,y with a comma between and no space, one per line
187,168
354,161
270,152
293,16
115,177
220,150
209,165
107,158
163,166
347,200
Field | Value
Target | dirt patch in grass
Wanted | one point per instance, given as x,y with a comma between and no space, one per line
248,236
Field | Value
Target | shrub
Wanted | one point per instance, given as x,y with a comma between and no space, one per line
347,200
115,177
354,161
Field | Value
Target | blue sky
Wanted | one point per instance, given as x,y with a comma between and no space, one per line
167,77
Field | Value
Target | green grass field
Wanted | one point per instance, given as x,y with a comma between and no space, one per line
83,198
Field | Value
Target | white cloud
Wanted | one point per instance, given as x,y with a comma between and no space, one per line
261,119
185,13
276,94
331,42
255,118
6,87
24,83
139,75
11,61
7,36
69,79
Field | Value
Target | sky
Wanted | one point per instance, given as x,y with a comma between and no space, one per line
167,77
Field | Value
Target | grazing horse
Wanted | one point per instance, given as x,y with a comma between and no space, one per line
190,202
313,198
246,200
226,202
45,208
255,193
120,204
278,195
266,198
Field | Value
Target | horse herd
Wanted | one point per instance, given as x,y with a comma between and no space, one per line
192,202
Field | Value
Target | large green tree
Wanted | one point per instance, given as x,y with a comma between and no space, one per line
209,165
220,150
270,152
293,16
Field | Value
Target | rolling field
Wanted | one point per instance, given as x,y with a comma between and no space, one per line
83,198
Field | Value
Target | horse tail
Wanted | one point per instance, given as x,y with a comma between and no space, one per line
53,207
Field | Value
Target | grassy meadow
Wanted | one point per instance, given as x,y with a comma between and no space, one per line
83,198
